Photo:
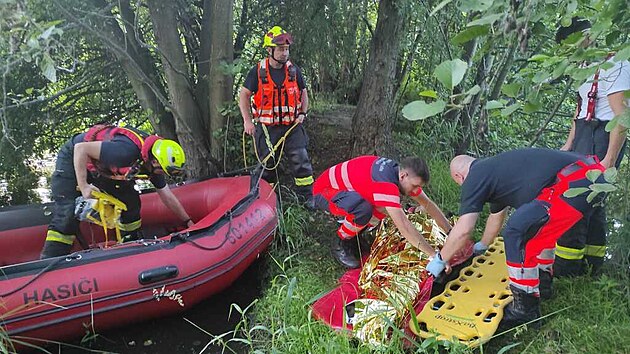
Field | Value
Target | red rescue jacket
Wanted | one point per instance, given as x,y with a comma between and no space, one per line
356,175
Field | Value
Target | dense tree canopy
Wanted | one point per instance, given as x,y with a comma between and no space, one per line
477,76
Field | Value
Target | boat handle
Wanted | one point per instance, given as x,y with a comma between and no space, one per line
158,274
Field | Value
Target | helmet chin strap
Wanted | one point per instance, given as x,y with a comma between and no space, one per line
273,51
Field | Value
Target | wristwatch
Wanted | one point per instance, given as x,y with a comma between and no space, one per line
302,114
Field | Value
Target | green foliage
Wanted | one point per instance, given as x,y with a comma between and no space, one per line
470,33
417,110
593,319
595,189
450,73
622,120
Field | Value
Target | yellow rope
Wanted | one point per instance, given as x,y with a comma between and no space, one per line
272,150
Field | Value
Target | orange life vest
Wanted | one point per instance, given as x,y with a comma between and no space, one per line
142,140
276,105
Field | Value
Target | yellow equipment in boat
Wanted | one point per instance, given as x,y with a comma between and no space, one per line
471,306
104,210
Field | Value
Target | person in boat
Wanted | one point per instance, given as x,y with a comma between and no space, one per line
274,103
532,181
364,190
110,159
601,98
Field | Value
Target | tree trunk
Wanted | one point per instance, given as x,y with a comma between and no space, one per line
161,119
481,131
203,67
372,121
220,85
137,63
505,68
188,123
243,28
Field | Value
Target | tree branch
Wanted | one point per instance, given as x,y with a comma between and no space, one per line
46,99
553,113
121,51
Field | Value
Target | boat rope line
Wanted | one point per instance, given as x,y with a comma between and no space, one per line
253,193
41,272
184,237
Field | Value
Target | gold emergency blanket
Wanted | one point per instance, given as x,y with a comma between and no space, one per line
390,279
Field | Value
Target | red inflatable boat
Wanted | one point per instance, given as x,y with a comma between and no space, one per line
167,272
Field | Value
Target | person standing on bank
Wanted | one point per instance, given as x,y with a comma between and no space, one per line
110,159
532,181
280,105
600,99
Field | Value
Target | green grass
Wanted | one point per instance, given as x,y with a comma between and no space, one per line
587,315
593,315
282,320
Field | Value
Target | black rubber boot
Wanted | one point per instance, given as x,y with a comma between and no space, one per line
568,267
366,238
54,249
305,196
346,252
309,204
594,264
525,307
546,285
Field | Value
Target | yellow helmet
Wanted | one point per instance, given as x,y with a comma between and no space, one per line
170,155
277,36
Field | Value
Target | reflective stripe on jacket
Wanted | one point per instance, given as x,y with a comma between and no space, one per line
276,105
356,175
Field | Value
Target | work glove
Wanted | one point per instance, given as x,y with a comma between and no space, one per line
479,248
436,265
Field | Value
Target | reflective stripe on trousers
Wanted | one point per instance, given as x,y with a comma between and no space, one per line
524,278
56,236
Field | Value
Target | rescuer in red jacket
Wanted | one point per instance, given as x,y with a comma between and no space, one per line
364,190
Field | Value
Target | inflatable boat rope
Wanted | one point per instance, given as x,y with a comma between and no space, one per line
182,236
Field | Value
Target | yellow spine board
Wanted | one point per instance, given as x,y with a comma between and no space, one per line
471,306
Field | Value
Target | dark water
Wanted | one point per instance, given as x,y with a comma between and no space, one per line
176,335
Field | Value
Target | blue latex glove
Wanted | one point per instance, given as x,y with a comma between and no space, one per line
479,248
436,265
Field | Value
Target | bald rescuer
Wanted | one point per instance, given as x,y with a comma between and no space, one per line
533,182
